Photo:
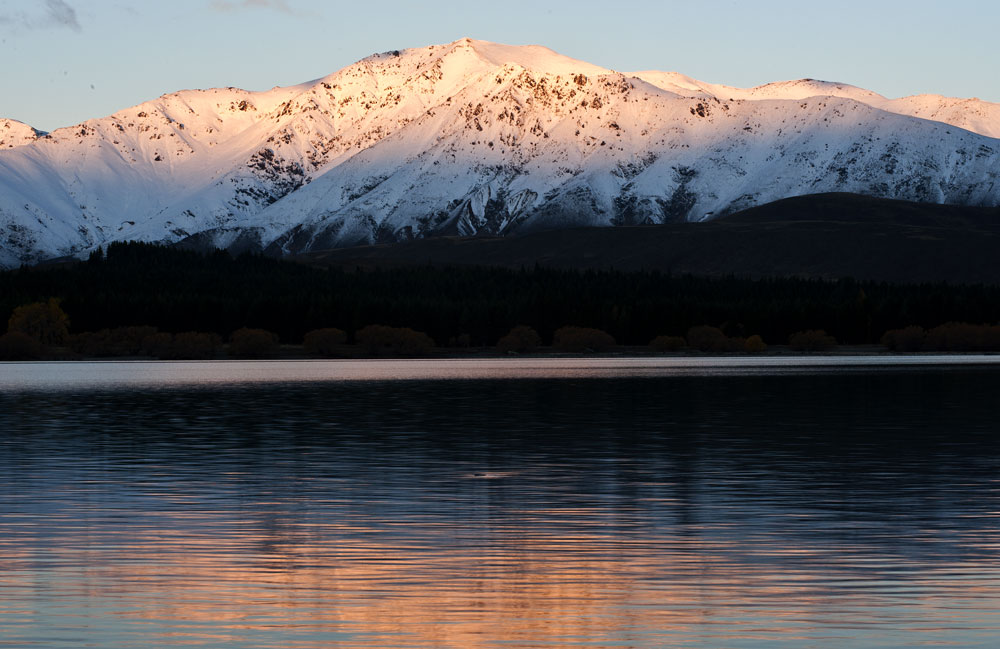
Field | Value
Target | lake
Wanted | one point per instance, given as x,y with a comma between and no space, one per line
697,502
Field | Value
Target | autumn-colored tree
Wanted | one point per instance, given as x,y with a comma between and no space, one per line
45,322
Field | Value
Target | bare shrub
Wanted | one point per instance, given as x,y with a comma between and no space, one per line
251,343
85,343
963,337
380,339
667,343
129,340
991,339
461,340
520,339
582,339
194,345
158,345
708,339
908,339
413,343
16,346
324,342
813,340
736,344
375,339
123,341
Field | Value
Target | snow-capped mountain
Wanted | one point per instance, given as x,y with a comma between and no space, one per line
970,114
472,137
14,134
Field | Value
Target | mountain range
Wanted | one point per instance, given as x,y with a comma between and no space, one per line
473,138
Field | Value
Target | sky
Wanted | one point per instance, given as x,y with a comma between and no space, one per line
66,61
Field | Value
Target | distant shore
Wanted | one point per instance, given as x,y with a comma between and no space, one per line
351,352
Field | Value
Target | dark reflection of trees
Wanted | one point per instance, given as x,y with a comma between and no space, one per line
879,460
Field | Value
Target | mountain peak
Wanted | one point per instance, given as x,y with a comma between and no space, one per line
14,134
786,90
531,57
472,137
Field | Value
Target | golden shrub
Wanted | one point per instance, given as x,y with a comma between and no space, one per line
46,322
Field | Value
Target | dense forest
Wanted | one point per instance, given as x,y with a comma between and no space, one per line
176,291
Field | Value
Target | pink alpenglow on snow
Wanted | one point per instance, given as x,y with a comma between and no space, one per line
470,138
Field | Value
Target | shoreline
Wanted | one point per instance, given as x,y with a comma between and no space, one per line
75,376
297,353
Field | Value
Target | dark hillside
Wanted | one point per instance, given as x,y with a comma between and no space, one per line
179,291
820,236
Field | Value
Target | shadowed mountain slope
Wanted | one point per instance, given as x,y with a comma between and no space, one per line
823,235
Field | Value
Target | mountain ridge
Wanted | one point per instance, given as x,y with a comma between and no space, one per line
470,138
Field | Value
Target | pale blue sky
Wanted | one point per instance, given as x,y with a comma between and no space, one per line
65,61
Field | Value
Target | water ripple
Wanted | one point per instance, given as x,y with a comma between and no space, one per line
854,508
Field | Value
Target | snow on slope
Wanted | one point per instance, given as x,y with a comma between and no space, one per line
14,134
472,137
625,154
974,115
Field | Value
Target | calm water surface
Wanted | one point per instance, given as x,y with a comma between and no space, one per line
613,503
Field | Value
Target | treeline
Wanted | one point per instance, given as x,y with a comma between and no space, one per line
179,291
